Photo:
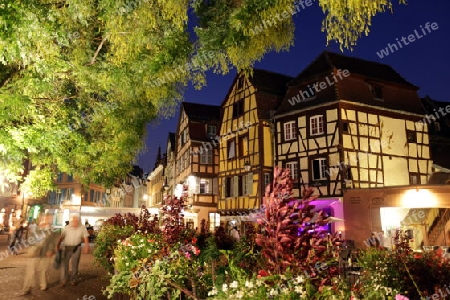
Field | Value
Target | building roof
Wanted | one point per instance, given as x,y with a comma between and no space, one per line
271,82
328,61
199,115
439,178
201,112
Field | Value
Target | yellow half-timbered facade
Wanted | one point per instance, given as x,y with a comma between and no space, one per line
362,129
246,143
346,123
197,161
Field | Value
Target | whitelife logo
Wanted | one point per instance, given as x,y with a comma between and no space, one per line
391,48
308,94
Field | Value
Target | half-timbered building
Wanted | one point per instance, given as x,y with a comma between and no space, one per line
197,161
347,123
246,142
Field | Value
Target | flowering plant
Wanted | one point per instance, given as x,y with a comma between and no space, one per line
130,251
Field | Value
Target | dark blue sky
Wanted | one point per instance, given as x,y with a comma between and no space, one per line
424,62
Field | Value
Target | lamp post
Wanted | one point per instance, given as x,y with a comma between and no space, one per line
247,166
145,198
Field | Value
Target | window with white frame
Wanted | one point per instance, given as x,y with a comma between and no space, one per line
290,132
293,167
231,145
206,156
214,221
247,184
319,168
316,125
205,186
211,130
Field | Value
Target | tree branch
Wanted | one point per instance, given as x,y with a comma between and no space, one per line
96,52
187,292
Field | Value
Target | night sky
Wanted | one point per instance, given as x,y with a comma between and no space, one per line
424,62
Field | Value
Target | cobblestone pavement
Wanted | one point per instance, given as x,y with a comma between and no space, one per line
91,279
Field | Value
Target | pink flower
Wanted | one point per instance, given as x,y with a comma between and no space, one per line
401,297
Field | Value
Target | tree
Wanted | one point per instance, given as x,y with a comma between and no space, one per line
79,80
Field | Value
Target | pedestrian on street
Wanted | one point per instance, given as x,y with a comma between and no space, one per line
40,263
73,235
32,228
16,235
235,233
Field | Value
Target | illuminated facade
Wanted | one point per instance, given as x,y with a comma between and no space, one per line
356,125
197,161
246,143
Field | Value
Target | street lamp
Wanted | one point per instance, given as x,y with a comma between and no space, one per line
145,198
247,166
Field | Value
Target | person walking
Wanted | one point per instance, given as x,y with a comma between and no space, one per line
73,235
235,233
40,262
32,228
16,235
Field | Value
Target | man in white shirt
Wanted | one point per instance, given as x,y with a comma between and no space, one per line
235,233
73,235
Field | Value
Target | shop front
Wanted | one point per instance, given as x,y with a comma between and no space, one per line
423,212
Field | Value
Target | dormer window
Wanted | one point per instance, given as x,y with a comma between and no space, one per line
211,130
377,91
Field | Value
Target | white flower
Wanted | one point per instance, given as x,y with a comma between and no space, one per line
285,290
239,294
249,284
300,279
234,284
282,277
299,289
273,292
212,292
225,287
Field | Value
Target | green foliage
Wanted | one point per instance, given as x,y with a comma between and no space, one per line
79,80
412,275
105,243
130,252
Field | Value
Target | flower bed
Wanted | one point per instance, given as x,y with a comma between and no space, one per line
286,257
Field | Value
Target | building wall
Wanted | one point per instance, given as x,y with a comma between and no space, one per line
240,189
200,176
155,185
378,151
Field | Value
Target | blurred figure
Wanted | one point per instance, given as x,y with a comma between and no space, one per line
73,235
447,254
16,235
40,263
235,233
32,228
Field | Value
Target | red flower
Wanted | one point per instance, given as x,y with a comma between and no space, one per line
262,273
194,240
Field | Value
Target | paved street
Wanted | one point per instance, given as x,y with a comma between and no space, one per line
91,279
